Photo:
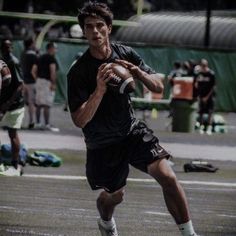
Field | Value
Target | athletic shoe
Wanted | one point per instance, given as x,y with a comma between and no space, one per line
12,171
31,126
201,130
105,231
38,126
51,128
209,130
2,168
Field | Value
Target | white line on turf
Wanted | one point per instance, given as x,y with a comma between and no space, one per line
230,216
157,213
187,182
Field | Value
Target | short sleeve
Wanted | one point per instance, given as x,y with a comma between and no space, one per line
136,59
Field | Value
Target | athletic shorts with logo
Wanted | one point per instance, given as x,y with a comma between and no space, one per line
108,167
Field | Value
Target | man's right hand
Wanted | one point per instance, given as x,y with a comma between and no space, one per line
103,76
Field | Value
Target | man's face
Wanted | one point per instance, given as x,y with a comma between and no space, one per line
7,46
53,50
96,31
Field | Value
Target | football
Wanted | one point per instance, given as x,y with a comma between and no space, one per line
122,81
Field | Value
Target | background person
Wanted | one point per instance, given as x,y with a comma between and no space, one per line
29,60
46,85
114,138
12,107
205,84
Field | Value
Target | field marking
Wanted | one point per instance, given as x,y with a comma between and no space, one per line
31,232
157,213
230,216
187,182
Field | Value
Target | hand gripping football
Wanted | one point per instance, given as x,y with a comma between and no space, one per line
122,81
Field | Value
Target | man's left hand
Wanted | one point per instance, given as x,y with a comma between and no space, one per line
134,70
204,99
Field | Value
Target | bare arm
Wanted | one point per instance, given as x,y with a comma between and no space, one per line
34,71
87,110
153,82
52,68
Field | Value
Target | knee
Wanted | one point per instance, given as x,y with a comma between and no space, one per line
118,196
169,181
113,198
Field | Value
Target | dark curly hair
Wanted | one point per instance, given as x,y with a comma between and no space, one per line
95,9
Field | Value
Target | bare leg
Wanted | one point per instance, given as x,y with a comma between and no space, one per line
174,195
107,202
31,111
38,113
46,113
201,119
209,121
15,144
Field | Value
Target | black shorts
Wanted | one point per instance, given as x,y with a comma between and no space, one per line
108,167
206,107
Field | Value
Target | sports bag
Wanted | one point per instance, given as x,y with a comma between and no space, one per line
199,166
45,159
6,154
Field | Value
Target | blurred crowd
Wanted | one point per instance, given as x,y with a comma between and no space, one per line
194,81
28,82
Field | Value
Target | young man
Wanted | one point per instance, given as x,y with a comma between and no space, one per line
46,85
205,84
114,138
29,60
12,107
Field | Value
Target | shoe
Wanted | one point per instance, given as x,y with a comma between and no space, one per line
107,231
2,168
31,126
201,130
51,128
12,171
209,130
38,126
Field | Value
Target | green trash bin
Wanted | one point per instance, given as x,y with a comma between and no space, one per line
183,115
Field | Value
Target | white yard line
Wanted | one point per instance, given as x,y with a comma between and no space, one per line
157,213
187,182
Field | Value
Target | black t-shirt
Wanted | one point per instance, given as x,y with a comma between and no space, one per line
28,59
16,80
205,81
114,116
43,65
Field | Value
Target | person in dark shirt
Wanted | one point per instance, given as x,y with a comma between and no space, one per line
205,84
46,85
5,75
114,137
12,106
29,60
